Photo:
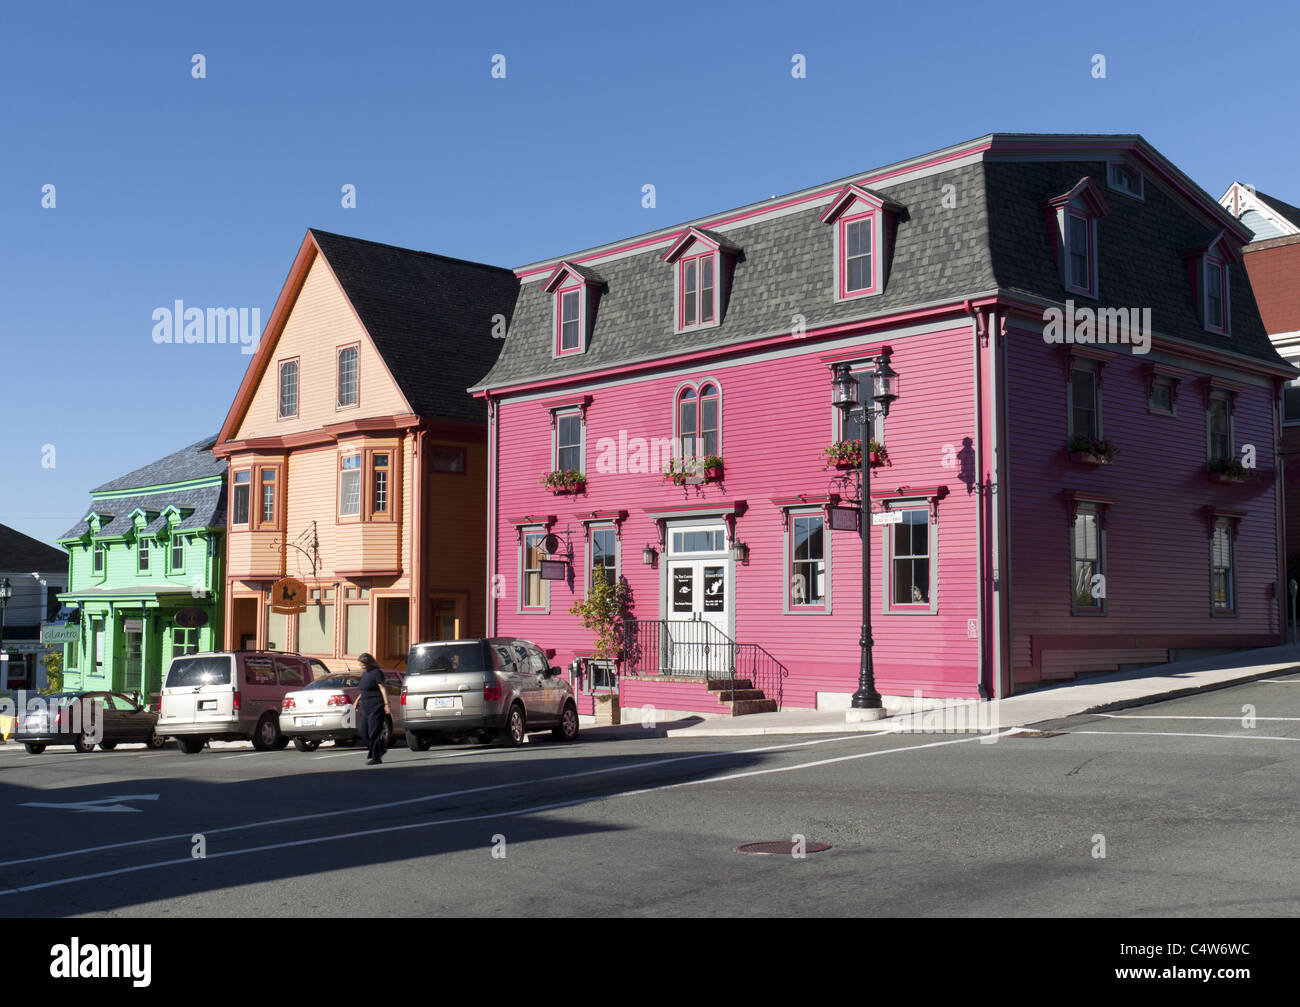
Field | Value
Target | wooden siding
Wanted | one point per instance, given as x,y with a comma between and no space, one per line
1157,549
320,322
776,419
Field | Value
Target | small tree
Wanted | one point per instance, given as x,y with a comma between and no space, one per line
604,613
53,661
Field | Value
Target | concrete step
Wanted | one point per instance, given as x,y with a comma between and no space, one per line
739,695
744,706
718,684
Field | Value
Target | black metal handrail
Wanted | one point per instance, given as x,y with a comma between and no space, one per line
687,648
764,671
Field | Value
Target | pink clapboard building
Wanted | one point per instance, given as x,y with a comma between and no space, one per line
1078,474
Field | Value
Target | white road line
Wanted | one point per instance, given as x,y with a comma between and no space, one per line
1280,681
442,796
245,755
485,817
1135,716
1182,734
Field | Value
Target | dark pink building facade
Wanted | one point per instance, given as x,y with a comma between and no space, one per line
1055,495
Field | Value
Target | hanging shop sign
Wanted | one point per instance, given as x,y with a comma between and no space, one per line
289,596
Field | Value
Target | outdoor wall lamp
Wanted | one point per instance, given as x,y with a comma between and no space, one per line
648,555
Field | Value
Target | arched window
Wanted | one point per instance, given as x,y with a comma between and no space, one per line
709,416
687,422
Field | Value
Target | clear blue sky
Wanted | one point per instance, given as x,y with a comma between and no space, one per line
169,187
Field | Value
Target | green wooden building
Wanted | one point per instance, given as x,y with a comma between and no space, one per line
145,569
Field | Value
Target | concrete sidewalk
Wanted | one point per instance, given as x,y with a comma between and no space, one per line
1093,693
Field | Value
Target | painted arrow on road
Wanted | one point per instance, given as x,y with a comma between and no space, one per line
101,804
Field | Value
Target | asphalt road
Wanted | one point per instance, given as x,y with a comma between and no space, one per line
1194,811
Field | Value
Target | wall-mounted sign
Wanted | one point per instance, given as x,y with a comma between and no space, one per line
132,625
190,618
888,517
51,634
844,518
554,569
289,596
715,589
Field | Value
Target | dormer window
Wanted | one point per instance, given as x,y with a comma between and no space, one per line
698,289
1072,218
1207,270
575,290
863,224
1216,285
704,262
1123,177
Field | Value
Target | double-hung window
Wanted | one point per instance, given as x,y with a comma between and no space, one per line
1085,402
699,421
808,548
1223,578
379,483
697,284
910,570
568,441
97,552
350,485
178,553
268,496
1216,295
240,497
604,555
570,320
142,554
1079,261
534,593
858,263
1218,422
1087,560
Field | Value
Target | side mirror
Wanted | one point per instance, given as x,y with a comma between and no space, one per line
554,670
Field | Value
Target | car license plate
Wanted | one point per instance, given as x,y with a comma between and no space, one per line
442,703
207,704
308,721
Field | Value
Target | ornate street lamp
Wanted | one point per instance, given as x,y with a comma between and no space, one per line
6,592
844,396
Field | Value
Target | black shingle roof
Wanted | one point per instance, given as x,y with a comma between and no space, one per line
995,236
24,553
430,317
1292,213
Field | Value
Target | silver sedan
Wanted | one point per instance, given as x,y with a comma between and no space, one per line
324,711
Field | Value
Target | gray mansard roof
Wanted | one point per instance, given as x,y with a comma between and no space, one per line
206,504
994,238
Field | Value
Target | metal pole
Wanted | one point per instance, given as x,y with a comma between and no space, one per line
866,698
1293,586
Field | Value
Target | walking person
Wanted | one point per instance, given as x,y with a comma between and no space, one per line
372,704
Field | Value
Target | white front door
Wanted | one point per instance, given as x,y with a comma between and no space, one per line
699,580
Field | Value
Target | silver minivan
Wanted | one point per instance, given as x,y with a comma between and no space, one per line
499,687
229,696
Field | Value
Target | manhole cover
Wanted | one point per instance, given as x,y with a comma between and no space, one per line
1036,734
782,848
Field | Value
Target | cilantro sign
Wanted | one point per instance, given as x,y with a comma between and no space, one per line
56,634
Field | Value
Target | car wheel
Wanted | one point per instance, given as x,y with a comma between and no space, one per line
34,747
305,744
516,727
83,744
157,740
107,746
267,734
417,742
190,745
568,726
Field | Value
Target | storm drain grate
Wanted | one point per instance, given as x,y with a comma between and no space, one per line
1036,734
782,848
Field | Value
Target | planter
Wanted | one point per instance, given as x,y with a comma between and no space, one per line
848,463
577,487
607,710
1226,477
877,458
713,474
1088,458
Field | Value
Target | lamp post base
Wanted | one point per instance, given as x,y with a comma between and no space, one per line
861,716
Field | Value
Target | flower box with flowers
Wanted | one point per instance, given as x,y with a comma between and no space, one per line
564,481
1228,470
1092,450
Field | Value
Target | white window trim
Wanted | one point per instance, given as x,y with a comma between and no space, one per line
695,385
1064,214
280,414
557,351
1209,262
1094,367
589,553
338,377
582,437
1230,400
1099,510
1230,612
692,253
